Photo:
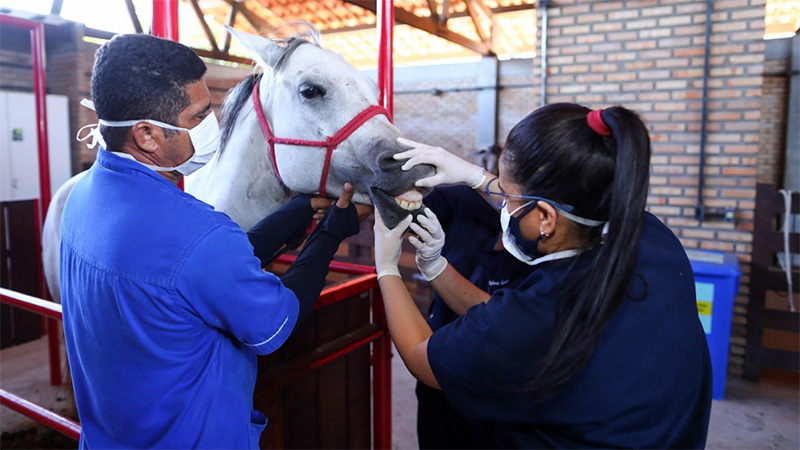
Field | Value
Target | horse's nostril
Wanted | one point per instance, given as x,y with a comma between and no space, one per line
387,163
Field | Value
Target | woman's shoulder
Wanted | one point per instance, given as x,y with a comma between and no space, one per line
659,246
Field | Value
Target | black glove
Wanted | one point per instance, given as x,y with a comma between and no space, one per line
306,277
285,229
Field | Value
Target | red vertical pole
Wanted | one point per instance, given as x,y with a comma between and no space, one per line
385,45
165,25
40,98
381,377
165,19
382,349
39,89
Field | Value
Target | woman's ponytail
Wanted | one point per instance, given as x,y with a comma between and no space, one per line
591,303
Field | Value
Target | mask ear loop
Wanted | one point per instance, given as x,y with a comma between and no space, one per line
93,134
94,129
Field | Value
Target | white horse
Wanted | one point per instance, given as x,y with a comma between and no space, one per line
308,95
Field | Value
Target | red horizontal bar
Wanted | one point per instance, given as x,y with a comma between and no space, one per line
44,416
346,289
31,303
335,266
348,349
18,22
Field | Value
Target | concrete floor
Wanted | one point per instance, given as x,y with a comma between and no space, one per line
752,416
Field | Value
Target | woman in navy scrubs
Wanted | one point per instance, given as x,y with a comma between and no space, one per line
600,346
474,249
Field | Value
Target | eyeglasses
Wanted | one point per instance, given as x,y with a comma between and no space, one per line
499,199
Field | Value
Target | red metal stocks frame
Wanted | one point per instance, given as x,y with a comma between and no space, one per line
365,280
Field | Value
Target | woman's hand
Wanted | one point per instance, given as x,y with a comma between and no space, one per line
388,244
450,169
429,242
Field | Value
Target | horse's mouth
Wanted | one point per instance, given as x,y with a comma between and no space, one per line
395,207
410,200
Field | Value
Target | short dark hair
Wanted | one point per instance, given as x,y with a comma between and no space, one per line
139,76
555,154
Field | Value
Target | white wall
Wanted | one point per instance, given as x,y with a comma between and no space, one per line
19,155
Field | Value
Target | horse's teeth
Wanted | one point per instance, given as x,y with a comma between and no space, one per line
408,206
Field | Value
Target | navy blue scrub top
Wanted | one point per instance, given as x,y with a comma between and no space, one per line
647,384
472,228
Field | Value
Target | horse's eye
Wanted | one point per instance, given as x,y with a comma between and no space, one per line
308,91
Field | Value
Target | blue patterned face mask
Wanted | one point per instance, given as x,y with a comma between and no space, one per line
523,249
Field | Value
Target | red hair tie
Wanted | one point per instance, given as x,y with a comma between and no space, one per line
596,122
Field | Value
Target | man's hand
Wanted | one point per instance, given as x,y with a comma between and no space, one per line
320,206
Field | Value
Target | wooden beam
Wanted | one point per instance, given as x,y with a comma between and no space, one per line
223,56
137,25
251,18
430,25
230,20
102,34
445,16
433,8
475,14
201,18
499,10
481,7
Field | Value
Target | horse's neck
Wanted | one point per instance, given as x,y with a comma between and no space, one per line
240,180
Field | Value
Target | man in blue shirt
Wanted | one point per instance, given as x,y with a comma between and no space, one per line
165,304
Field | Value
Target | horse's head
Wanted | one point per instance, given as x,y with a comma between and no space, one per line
314,101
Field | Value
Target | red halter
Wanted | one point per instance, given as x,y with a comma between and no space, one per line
330,142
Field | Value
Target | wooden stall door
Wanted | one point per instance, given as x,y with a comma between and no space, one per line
325,407
772,329
18,270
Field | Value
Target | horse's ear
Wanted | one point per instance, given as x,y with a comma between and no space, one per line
263,51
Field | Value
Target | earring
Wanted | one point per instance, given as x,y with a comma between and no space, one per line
543,235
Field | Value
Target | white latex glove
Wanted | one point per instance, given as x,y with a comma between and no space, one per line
450,169
429,245
388,244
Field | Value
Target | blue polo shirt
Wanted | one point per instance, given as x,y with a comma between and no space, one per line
165,310
646,385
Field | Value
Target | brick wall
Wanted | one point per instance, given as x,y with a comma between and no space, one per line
16,69
774,101
648,56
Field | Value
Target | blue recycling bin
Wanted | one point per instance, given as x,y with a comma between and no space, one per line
716,280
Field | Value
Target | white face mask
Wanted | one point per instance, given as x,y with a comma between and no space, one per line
204,137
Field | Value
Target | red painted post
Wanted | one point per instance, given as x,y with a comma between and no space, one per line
165,25
381,377
385,62
165,19
382,348
40,98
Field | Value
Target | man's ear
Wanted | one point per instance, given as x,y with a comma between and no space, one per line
146,137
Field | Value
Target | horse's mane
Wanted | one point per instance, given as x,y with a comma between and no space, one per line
289,36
